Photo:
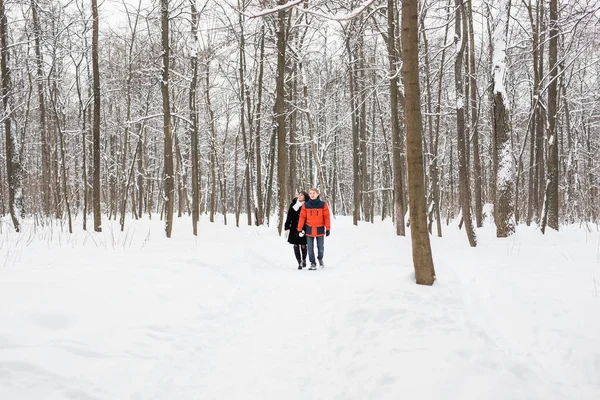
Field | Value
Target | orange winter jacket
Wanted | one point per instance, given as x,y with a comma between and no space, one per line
314,218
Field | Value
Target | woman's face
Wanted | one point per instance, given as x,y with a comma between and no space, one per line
313,195
301,197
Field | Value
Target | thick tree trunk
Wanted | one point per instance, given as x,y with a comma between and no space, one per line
279,111
13,159
421,248
394,59
504,206
169,174
550,217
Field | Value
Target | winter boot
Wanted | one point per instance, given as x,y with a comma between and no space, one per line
297,254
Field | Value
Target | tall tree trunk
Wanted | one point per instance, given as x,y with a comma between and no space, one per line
541,117
270,175
169,178
46,189
434,133
364,189
354,104
213,148
141,174
126,179
503,162
194,119
247,146
465,192
593,180
536,172
84,168
13,159
474,107
279,111
550,217
63,168
259,188
421,248
96,124
394,59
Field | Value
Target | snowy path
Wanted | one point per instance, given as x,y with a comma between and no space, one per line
227,316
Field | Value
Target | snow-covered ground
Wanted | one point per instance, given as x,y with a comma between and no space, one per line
227,315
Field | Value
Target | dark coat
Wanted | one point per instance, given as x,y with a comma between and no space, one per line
291,223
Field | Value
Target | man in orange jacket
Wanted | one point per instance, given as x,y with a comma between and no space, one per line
315,221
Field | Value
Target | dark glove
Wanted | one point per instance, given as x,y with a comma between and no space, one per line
327,233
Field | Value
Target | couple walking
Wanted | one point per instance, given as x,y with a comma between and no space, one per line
308,220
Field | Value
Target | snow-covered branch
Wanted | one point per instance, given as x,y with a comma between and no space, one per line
344,17
269,11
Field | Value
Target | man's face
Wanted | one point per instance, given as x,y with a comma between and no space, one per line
313,195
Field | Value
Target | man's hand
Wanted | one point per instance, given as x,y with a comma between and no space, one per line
327,233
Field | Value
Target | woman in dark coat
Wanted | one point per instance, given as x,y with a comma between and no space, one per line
297,238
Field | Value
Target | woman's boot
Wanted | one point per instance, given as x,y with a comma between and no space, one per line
297,253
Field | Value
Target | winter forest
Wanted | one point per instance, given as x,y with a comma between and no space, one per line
156,109
150,157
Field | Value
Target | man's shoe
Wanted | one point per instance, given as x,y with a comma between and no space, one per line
313,266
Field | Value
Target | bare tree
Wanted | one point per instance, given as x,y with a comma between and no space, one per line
13,158
550,215
279,111
465,191
396,128
46,190
474,113
258,121
421,248
169,177
96,123
503,160
194,120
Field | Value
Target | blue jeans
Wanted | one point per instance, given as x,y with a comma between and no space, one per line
310,242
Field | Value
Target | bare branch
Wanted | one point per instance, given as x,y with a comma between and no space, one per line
353,14
274,10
